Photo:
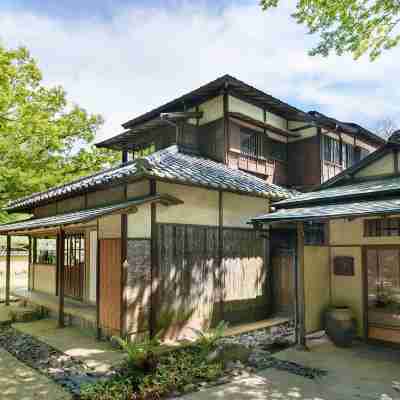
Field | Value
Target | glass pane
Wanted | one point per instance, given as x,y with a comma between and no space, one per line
384,287
46,251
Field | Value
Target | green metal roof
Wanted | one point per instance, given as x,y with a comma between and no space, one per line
83,216
354,191
331,211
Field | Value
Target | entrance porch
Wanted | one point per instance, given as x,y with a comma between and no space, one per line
75,311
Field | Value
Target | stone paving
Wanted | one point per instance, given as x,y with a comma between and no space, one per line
19,382
359,373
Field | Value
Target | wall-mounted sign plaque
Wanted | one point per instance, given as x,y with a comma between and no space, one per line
343,265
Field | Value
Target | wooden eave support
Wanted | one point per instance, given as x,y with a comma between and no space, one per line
8,270
301,311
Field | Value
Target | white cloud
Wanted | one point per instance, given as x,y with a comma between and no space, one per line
142,57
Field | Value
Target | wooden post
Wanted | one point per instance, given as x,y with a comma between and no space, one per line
300,324
220,272
61,276
29,263
154,262
98,294
8,270
124,267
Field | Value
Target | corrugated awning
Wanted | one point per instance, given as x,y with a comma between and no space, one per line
83,216
331,211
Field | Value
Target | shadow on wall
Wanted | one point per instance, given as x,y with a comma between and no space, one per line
193,290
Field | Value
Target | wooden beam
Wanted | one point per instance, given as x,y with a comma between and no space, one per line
301,311
8,270
61,275
98,294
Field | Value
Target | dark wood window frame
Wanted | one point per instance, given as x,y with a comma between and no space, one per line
332,151
348,155
382,227
74,249
258,145
315,234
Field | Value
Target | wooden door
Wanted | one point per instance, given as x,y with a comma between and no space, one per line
74,265
110,286
283,272
383,293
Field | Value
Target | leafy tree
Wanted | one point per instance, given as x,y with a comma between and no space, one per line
44,140
349,26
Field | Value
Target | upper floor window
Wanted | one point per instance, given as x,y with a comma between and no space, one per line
348,155
258,145
250,143
382,227
331,150
315,233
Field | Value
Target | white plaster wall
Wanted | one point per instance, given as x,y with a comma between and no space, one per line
110,227
384,165
212,110
240,106
237,209
200,205
138,189
139,223
276,120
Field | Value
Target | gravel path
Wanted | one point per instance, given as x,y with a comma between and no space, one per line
61,368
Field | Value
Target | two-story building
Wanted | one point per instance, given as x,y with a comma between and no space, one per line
162,240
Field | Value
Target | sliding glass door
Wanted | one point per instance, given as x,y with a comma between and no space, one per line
383,289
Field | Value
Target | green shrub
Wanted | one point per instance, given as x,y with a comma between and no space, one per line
141,354
175,370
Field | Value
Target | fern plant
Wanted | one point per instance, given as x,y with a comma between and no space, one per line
209,337
141,354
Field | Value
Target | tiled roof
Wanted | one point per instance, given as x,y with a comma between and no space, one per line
168,164
382,186
81,216
330,211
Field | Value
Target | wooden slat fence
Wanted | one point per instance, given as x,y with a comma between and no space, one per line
196,288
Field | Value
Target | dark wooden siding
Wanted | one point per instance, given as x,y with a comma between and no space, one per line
211,140
196,290
110,286
304,162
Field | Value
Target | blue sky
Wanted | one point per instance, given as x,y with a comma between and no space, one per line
120,58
